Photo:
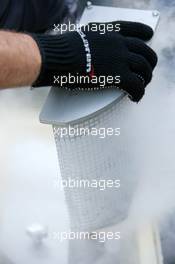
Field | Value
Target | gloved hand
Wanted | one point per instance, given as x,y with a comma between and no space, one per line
87,52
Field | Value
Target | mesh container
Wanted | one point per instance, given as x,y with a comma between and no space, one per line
87,157
101,166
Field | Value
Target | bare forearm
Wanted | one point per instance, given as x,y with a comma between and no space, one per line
20,60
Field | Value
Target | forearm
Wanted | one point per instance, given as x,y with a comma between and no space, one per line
20,60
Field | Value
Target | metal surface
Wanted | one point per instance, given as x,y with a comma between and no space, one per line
63,107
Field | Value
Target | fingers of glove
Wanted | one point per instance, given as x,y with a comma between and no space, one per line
139,65
135,29
133,86
138,46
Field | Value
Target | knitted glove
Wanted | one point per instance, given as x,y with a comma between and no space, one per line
119,57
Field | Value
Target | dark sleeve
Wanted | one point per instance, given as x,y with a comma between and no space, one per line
31,15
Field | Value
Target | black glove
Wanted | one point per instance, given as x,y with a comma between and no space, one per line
90,53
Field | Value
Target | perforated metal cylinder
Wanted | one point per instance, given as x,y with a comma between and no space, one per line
89,157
